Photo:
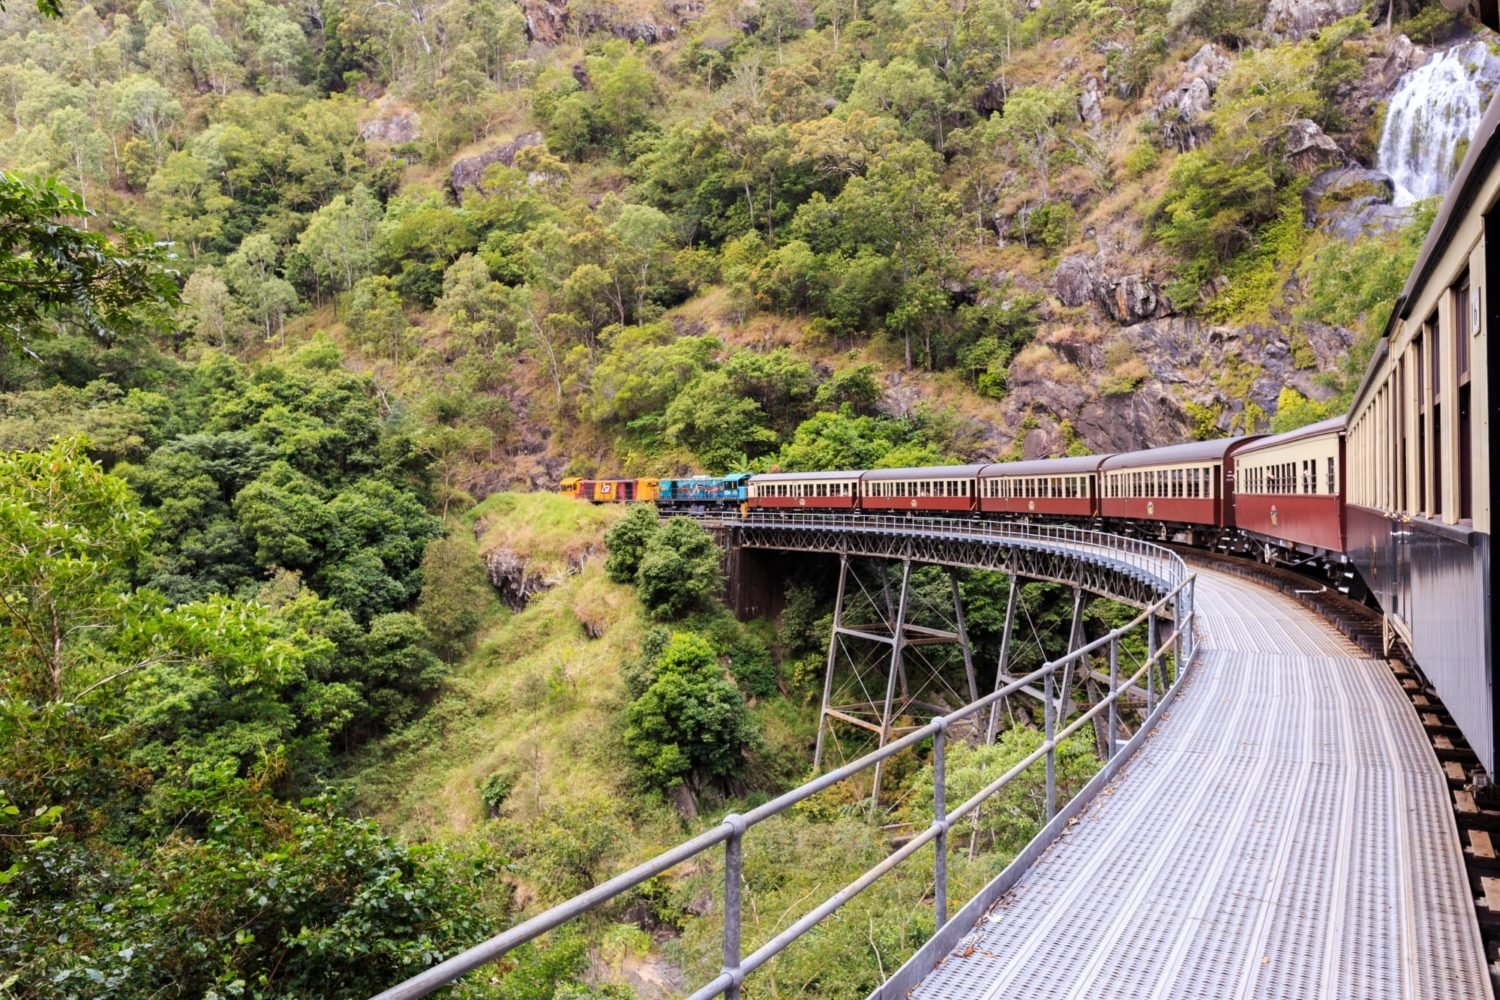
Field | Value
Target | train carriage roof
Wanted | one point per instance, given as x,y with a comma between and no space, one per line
1322,428
924,472
792,477
1070,466
1177,454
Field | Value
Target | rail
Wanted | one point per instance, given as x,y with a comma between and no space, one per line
1134,553
1178,601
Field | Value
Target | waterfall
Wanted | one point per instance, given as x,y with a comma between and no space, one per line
1432,115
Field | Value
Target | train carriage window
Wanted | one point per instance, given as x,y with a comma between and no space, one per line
1435,370
1333,486
1465,313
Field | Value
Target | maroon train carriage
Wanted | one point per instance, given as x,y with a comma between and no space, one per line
1191,485
1289,489
942,489
814,491
1052,487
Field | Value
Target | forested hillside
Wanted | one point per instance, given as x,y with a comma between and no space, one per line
644,238
304,681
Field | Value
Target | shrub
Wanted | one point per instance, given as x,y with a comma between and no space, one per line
678,570
627,540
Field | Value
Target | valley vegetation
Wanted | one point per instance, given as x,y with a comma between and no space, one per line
305,680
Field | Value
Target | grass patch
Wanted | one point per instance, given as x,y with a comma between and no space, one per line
552,534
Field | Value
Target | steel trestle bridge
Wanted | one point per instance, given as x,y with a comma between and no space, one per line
1273,826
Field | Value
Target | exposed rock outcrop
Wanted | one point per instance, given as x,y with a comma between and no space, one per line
1090,110
518,580
1178,360
392,125
1074,280
1182,112
548,21
1124,298
1296,19
469,171
1351,201
1131,298
1307,149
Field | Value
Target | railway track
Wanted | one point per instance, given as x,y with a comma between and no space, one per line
1476,811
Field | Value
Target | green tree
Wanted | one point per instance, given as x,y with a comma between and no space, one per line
1032,122
690,726
55,276
627,540
454,597
210,307
679,570
377,320
71,533
266,295
483,315
190,201
339,240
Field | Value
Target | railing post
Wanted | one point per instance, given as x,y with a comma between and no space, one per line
1049,714
1150,662
733,864
1114,692
1178,626
940,817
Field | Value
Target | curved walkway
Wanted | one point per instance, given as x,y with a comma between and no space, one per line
1285,832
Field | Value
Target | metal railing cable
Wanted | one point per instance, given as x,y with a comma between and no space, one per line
1179,644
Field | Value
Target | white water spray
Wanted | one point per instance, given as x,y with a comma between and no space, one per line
1431,117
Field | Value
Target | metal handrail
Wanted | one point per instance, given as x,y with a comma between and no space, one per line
731,831
1135,553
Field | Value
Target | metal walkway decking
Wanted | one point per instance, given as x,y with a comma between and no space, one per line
1286,832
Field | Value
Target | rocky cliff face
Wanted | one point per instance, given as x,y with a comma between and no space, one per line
1127,369
468,172
1161,380
1296,19
548,22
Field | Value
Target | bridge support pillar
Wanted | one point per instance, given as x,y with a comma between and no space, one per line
886,671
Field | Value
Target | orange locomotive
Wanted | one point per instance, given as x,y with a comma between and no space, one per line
609,490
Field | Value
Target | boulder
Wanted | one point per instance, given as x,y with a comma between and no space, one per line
1401,57
1131,299
546,22
1333,191
469,171
391,125
1183,110
1363,217
1296,19
1209,63
1074,280
1307,149
1089,108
